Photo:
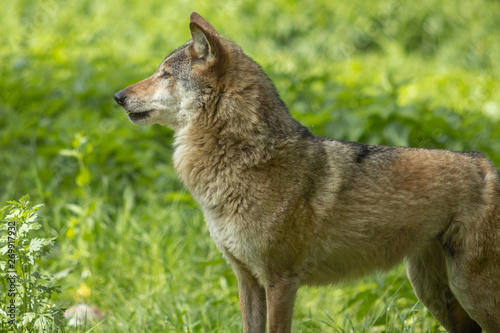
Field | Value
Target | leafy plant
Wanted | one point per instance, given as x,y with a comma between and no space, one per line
24,290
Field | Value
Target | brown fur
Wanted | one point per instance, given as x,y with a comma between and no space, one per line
287,208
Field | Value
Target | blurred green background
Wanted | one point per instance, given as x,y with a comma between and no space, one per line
130,238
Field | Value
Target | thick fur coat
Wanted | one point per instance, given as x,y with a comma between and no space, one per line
287,208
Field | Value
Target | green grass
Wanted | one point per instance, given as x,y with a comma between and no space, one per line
129,238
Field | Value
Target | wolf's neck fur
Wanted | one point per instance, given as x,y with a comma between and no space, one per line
239,129
252,105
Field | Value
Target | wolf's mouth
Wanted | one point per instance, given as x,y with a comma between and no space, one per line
137,116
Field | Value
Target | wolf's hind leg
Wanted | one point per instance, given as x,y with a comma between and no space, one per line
474,277
427,273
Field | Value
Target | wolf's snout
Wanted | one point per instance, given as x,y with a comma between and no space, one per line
120,97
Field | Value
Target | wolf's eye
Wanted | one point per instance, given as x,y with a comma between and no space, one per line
166,75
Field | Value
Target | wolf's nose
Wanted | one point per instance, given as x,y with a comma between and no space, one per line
120,97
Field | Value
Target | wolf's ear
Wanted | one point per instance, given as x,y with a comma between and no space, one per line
206,41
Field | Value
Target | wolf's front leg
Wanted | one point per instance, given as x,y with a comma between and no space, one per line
252,297
280,300
252,303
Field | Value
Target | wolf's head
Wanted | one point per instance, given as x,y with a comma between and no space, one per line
209,80
173,93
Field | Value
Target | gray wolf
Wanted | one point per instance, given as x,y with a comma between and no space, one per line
287,208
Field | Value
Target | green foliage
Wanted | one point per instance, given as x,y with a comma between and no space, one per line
25,292
130,238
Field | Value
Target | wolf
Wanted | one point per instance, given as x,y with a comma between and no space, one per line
287,208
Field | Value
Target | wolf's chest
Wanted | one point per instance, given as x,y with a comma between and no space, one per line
243,241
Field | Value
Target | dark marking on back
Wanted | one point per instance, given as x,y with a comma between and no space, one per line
364,152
